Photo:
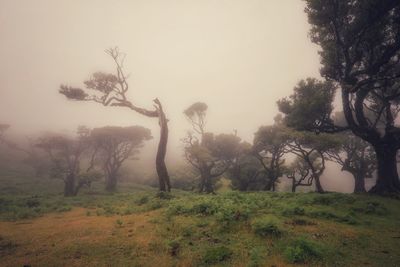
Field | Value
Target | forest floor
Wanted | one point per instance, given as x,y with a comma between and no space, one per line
139,227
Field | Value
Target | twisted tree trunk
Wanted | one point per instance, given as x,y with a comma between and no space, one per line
388,178
162,171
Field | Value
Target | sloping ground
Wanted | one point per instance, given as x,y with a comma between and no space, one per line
185,229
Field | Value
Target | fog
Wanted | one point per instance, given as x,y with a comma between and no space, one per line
239,57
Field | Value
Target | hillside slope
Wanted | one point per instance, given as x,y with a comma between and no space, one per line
186,229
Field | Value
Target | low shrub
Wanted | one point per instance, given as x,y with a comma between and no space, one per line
302,251
266,227
216,254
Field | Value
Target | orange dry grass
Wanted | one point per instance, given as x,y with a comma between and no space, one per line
72,238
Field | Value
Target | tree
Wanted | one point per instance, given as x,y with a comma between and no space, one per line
313,150
301,170
65,154
246,173
196,115
360,52
269,147
310,107
211,155
113,145
356,157
111,90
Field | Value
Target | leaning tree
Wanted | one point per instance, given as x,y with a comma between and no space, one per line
360,52
113,145
110,89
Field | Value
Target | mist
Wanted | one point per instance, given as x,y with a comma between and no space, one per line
238,57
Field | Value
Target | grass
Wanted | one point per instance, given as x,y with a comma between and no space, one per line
138,227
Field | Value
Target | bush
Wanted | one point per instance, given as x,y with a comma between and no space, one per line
302,251
293,211
216,255
266,227
203,208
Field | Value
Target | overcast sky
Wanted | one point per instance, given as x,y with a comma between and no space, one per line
237,56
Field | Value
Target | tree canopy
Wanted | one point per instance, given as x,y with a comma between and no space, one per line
360,51
113,145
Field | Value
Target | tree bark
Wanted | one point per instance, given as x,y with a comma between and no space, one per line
69,186
318,185
206,185
162,171
273,185
293,186
388,178
111,182
209,189
359,183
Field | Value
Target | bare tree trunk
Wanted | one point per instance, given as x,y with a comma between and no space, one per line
293,185
111,182
69,186
273,185
162,171
388,178
359,183
209,189
318,185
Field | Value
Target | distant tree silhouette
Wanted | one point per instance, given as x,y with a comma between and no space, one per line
246,173
211,155
269,147
113,145
302,169
356,157
65,154
312,151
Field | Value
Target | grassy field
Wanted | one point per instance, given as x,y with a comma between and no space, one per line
141,228
138,227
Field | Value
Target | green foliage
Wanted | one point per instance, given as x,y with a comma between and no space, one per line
256,257
295,210
267,227
371,207
302,251
333,199
142,200
216,254
310,106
